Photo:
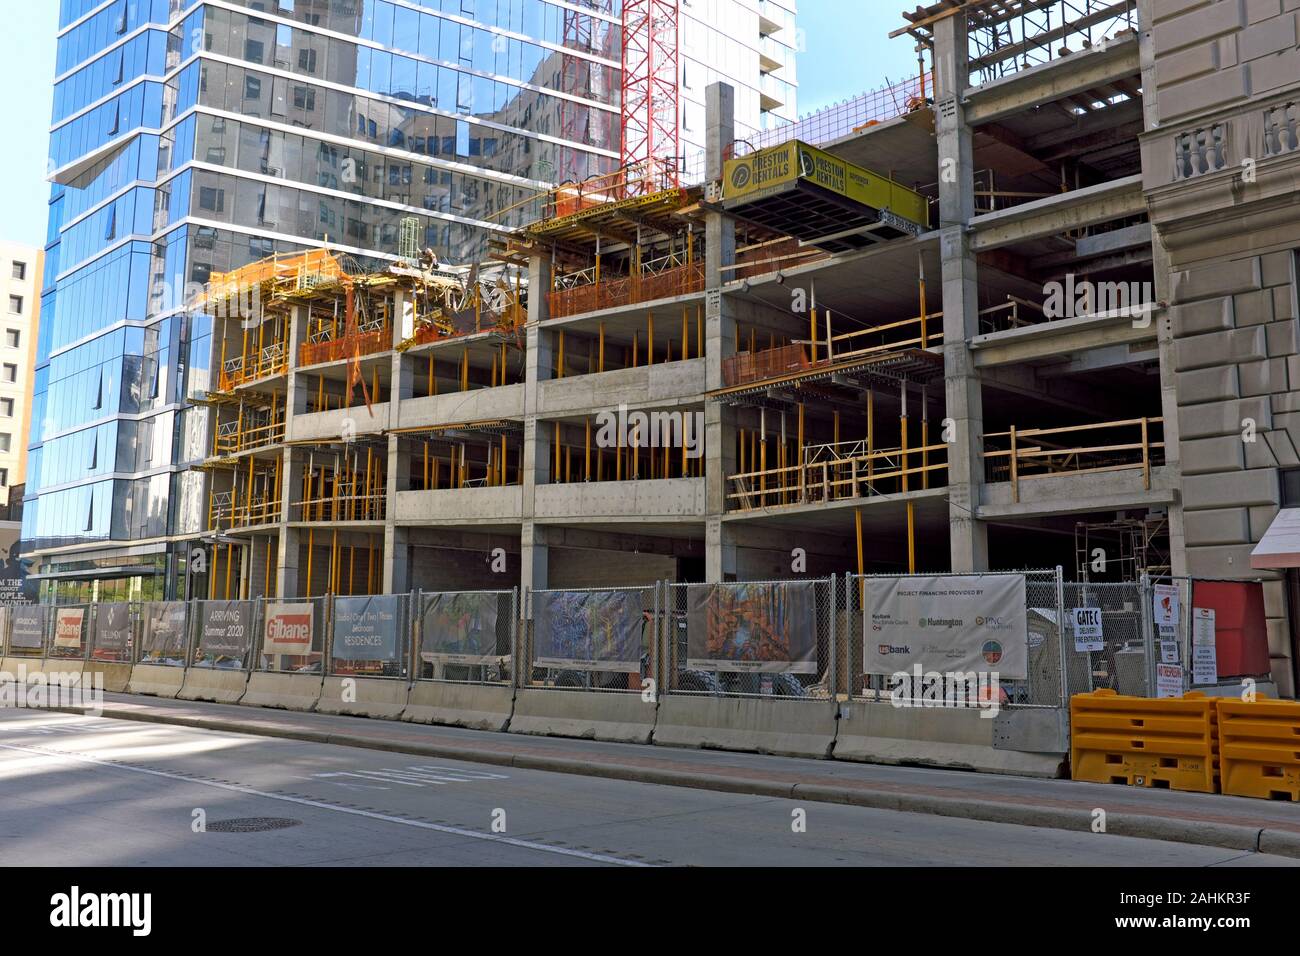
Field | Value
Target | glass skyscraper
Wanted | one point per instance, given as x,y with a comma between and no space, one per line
194,137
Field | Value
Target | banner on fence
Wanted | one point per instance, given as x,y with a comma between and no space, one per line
225,628
366,628
289,629
765,628
164,629
460,628
588,630
946,623
112,630
27,626
69,625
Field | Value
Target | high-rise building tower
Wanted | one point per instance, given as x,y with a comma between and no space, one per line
190,138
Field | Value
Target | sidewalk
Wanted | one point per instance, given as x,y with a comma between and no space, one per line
1205,819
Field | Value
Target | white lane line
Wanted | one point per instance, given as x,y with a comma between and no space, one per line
321,805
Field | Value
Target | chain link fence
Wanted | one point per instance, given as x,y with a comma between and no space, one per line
69,627
594,639
164,633
114,632
466,637
752,639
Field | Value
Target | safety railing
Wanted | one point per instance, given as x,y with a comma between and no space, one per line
835,472
265,362
1019,454
348,345
606,293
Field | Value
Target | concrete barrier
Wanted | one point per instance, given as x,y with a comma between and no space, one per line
34,665
375,697
800,728
117,675
952,737
588,715
283,691
157,680
476,706
222,685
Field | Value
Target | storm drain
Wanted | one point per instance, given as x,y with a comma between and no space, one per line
252,824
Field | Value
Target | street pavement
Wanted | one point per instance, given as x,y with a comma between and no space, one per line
79,790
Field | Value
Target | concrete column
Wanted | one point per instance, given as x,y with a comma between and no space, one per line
1160,267
534,558
537,435
397,565
297,393
964,401
719,340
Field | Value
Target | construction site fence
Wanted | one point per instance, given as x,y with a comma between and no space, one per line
796,638
685,279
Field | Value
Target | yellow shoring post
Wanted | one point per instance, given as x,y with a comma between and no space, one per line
311,547
650,339
559,359
568,465
503,461
799,455
320,393
686,344
555,470
212,575
920,263
601,365
464,371
871,437
925,441
352,569
230,556
248,496
1015,469
334,563
266,586
494,370
635,336
762,459
432,384
261,341
812,340
222,372
370,564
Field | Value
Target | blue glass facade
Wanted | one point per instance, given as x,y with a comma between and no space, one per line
189,138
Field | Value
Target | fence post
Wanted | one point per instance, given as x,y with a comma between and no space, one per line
521,638
834,649
327,639
1148,634
1060,636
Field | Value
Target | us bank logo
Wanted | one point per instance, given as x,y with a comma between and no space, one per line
886,649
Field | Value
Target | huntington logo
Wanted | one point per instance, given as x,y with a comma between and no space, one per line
76,909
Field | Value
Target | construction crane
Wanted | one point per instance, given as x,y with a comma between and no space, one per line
651,92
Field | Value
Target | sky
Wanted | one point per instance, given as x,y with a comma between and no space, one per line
842,53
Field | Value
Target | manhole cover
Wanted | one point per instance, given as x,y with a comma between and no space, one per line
252,824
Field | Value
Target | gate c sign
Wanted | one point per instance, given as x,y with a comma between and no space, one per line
1088,629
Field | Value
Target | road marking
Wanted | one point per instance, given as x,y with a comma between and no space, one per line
413,776
322,805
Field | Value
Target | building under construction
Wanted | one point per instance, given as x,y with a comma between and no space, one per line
1036,307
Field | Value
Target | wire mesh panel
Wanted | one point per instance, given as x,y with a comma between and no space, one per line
164,635
27,628
466,637
224,634
954,639
1167,610
597,639
113,632
1106,638
370,635
752,638
69,631
292,635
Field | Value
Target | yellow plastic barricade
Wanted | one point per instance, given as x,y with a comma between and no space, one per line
1168,742
1259,744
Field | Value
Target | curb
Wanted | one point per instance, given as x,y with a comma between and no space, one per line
1198,833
